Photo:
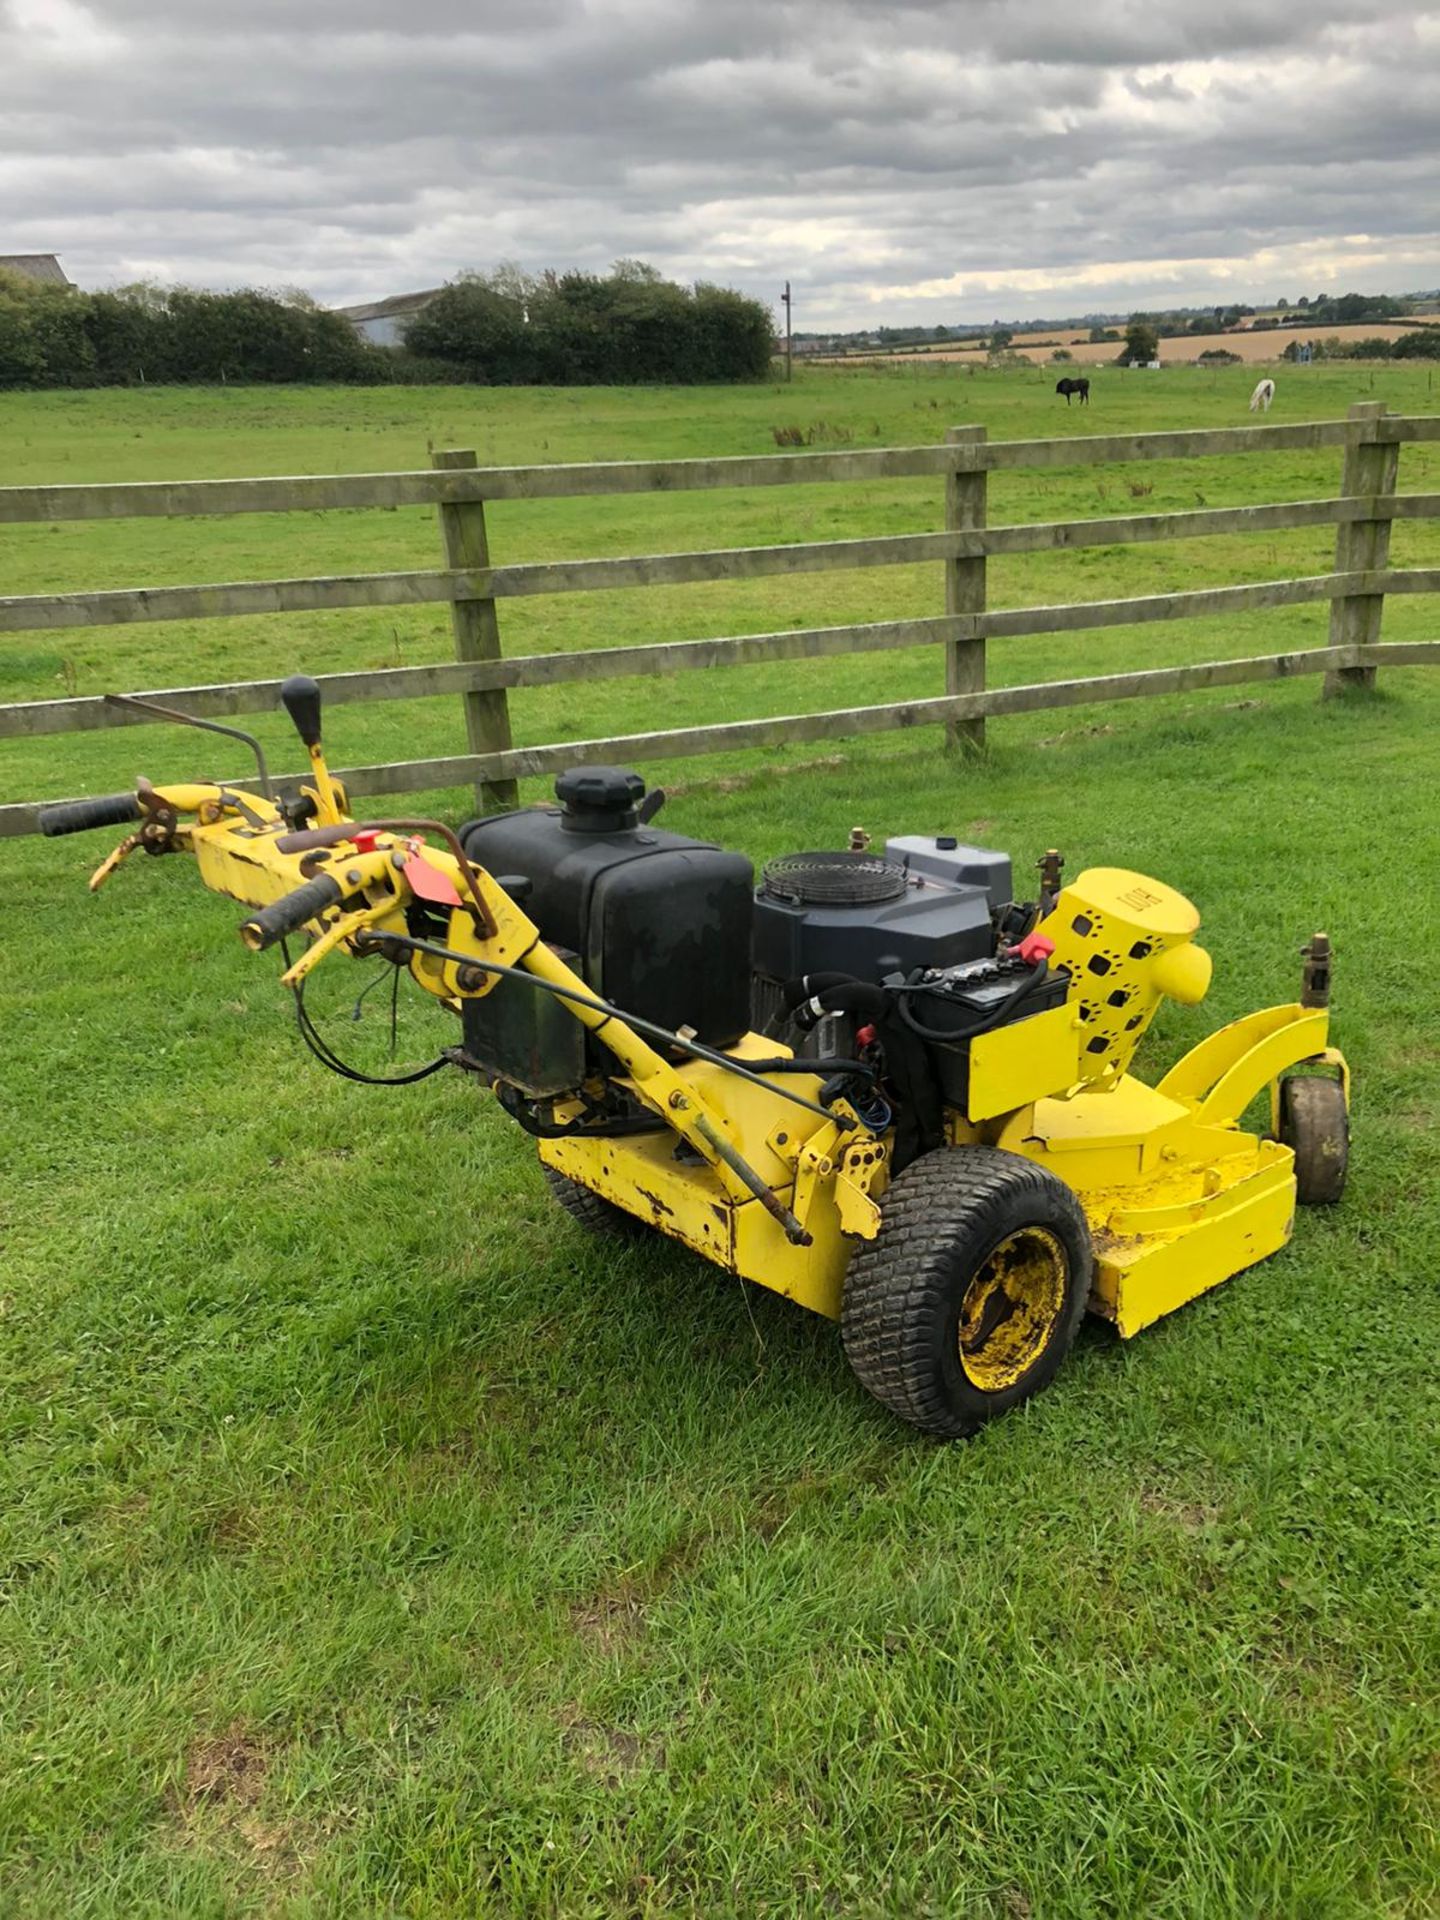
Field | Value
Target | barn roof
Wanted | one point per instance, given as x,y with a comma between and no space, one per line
396,304
36,266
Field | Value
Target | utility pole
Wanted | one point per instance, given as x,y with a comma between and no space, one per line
789,362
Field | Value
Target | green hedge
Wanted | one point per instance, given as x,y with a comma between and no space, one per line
571,329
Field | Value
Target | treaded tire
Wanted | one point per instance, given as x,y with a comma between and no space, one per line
1315,1125
942,1222
592,1210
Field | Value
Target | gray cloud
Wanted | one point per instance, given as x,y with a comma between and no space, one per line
926,161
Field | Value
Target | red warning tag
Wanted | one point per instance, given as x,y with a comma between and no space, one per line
427,882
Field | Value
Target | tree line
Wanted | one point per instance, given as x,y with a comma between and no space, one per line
628,327
582,329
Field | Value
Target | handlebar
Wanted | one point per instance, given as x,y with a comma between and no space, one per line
290,912
79,816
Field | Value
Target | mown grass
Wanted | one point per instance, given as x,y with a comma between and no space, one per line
372,1541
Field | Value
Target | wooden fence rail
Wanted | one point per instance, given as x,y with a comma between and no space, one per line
1362,514
315,492
124,606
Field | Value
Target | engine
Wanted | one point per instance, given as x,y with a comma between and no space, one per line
883,967
928,903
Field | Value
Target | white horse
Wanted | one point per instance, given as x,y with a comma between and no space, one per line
1262,396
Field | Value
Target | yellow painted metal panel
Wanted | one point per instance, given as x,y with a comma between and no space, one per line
1139,1279
682,1199
1023,1062
1304,1037
1122,1115
685,1201
1213,1057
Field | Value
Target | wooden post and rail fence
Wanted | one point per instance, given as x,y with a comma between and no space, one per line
1362,513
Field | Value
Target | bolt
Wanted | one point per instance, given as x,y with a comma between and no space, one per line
352,878
678,1102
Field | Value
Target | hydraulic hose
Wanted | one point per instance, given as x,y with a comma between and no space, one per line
797,1063
814,995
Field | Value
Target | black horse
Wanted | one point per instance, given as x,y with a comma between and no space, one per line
1067,387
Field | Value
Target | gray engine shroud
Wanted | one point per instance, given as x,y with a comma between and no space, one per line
940,919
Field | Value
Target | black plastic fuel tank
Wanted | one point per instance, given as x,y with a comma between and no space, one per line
661,923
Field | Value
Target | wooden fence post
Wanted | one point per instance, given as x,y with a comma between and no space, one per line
477,635
1370,467
965,507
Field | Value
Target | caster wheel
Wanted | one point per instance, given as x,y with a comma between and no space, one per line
1315,1125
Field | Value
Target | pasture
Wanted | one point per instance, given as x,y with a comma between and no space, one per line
372,1541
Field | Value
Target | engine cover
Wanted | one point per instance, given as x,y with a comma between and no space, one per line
866,917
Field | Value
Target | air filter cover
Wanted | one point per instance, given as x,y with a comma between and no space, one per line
833,879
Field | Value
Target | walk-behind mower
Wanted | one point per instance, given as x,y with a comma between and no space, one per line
878,1084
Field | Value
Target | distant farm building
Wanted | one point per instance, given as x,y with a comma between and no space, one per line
44,267
383,322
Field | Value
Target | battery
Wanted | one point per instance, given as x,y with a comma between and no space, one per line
960,999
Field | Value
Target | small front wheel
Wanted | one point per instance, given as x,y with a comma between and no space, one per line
968,1298
1315,1125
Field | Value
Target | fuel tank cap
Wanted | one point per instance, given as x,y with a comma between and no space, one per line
598,799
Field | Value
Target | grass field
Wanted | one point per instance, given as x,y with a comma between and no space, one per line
375,1542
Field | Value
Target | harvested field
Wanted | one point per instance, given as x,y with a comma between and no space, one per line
1267,344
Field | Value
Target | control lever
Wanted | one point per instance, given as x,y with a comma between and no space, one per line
300,696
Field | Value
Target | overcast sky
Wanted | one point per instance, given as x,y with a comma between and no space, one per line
941,161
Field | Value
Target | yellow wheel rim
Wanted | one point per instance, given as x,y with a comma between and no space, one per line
1011,1307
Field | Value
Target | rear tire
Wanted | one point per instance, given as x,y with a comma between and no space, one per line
1315,1125
968,1298
592,1210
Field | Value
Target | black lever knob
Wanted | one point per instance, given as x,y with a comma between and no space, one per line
301,698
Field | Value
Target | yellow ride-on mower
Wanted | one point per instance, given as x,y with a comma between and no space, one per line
877,1084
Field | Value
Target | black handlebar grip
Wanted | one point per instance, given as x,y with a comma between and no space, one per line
301,698
290,912
79,816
